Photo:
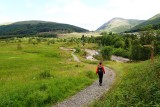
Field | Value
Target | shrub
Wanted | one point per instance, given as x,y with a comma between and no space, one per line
19,46
121,52
45,74
90,74
119,44
106,52
98,57
83,53
52,41
77,49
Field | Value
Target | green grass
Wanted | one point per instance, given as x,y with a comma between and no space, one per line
78,35
39,75
137,85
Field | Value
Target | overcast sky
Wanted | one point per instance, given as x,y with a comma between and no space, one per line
89,14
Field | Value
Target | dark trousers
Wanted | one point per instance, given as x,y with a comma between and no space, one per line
100,77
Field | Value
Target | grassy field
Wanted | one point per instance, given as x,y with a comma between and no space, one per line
39,75
137,85
78,35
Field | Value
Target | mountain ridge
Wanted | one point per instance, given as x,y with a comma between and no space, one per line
33,27
151,23
119,25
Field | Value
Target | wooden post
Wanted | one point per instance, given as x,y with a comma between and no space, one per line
152,50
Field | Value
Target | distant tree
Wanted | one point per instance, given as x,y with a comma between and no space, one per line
110,33
34,41
119,44
146,38
127,43
83,40
136,50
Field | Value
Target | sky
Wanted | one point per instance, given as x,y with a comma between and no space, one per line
88,14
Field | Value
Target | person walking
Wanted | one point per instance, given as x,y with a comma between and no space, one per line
100,71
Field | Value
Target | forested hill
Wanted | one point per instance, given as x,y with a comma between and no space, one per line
35,27
151,23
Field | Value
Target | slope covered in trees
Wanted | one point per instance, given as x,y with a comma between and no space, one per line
152,23
36,27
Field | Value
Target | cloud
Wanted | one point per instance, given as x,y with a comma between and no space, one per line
136,9
82,13
77,13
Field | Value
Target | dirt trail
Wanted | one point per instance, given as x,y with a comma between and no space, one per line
119,59
91,53
91,93
73,50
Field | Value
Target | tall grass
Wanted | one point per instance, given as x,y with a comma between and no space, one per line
139,86
39,75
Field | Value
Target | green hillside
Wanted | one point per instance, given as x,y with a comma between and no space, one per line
152,23
36,27
137,85
119,25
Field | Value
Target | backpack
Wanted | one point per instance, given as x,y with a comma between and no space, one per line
100,70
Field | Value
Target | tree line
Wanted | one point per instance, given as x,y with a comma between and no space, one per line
131,46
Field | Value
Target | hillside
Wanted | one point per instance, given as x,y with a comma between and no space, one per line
36,27
119,25
151,23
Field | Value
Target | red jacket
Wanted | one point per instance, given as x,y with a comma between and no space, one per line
102,69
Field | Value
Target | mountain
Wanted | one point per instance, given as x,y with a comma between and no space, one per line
34,27
119,25
151,23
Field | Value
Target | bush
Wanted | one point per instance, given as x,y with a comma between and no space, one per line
106,52
52,41
98,57
138,52
83,53
121,52
45,74
19,46
77,49
119,44
90,74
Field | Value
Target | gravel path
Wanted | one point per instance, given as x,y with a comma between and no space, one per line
91,53
74,56
91,93
119,59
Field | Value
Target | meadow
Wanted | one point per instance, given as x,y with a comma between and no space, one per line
39,74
